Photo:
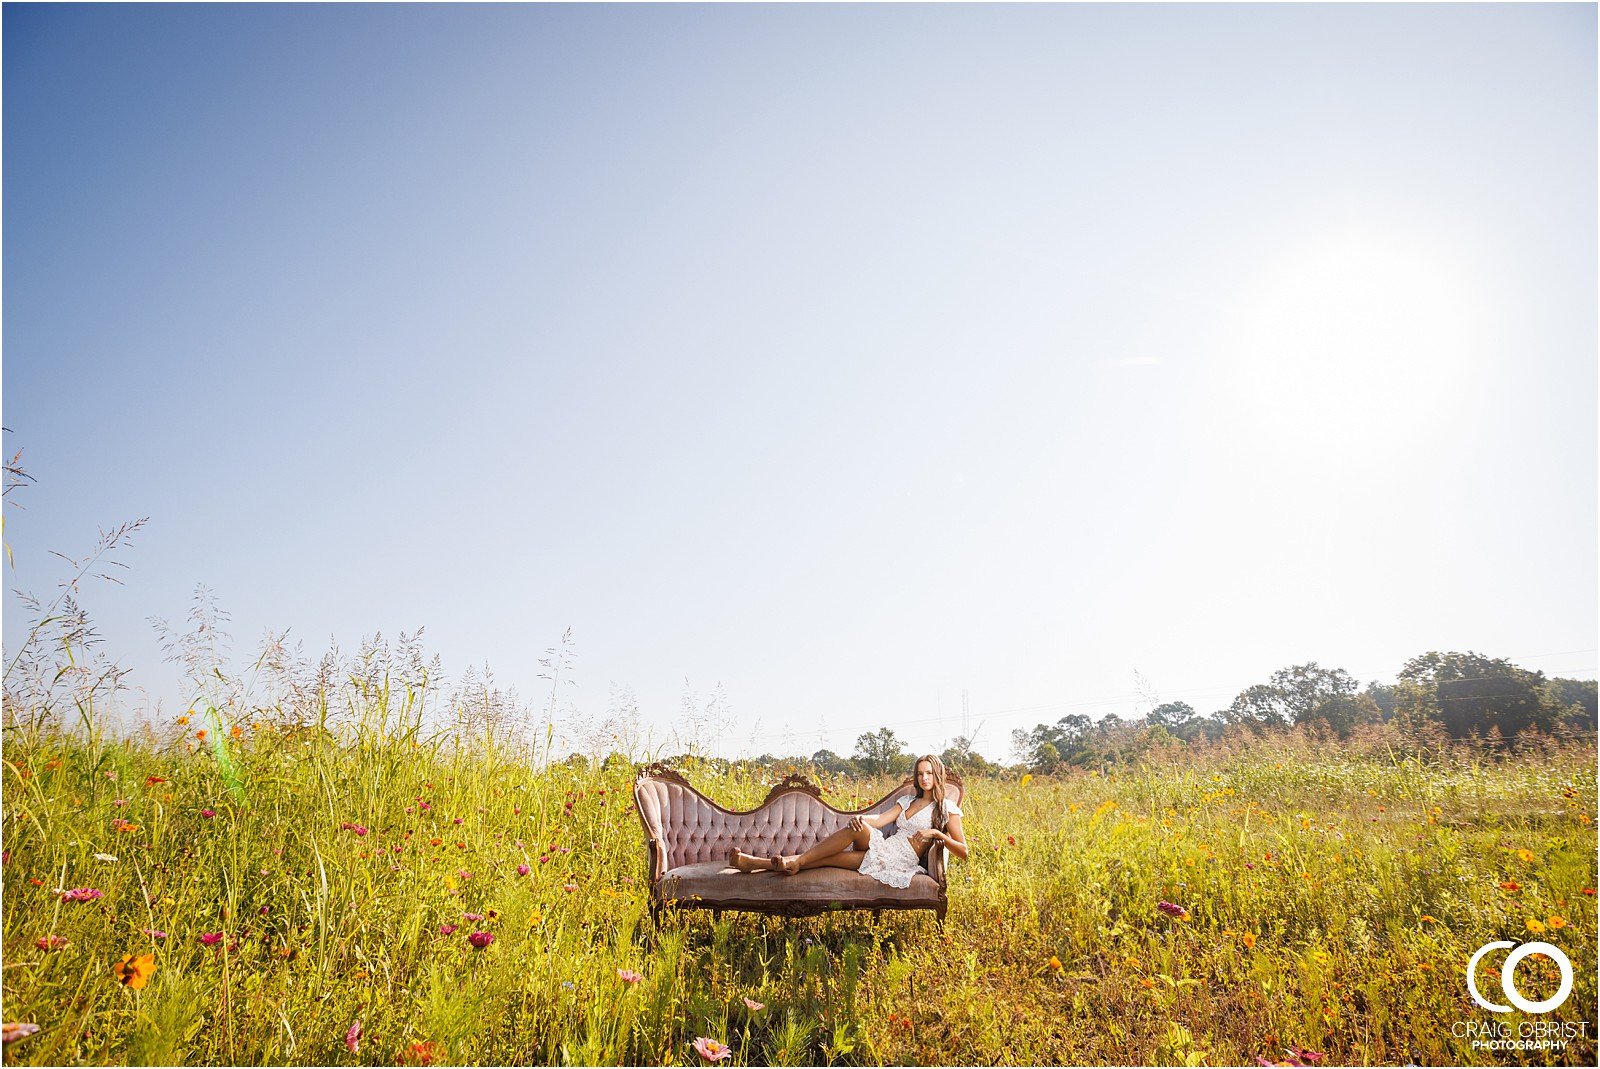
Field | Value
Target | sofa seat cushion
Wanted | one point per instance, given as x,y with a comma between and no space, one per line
716,882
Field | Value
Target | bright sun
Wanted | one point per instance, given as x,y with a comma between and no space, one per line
1350,349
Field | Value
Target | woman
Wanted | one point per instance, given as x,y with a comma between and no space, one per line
922,819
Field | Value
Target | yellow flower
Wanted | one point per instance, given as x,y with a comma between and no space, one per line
1525,855
1557,922
535,919
135,972
1027,779
1428,919
1536,927
1319,956
450,882
182,720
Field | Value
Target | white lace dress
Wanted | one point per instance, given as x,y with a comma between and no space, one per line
891,859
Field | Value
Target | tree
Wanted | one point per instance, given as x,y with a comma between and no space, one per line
960,755
1343,712
1577,701
1471,694
1305,688
879,752
1258,708
829,761
1170,716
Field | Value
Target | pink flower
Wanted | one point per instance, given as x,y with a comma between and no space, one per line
154,933
569,887
753,1006
120,802
474,917
52,942
1172,909
628,976
208,813
544,858
480,939
82,894
711,1050
447,929
210,939
456,821
352,1038
523,870
464,874
1306,1055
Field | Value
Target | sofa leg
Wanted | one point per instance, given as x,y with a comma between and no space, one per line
716,915
940,914
877,915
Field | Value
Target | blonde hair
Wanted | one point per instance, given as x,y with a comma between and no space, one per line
938,786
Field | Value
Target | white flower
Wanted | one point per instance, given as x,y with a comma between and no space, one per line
105,857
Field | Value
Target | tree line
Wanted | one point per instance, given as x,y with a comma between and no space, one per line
1464,696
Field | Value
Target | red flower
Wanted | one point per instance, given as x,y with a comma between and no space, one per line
480,939
210,939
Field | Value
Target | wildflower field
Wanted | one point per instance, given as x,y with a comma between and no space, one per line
239,893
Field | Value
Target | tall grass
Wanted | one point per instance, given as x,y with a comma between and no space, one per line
1333,900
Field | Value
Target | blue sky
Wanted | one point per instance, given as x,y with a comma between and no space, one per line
851,357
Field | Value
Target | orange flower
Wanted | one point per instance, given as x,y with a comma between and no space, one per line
200,735
1428,919
1249,939
1054,963
1557,922
236,731
182,720
1511,885
135,972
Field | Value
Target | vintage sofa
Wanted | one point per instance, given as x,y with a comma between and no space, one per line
688,838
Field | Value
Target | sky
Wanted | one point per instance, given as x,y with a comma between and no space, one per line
861,360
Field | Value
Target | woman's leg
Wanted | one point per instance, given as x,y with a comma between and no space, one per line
833,845
849,859
750,862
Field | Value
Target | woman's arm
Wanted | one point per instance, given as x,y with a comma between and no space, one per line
882,820
953,837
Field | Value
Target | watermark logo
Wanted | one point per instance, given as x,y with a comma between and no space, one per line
1508,982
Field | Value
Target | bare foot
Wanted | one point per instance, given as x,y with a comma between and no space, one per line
747,862
789,865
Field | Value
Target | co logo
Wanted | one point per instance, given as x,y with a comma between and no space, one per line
1508,982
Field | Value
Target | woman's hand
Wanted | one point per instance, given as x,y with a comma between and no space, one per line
859,824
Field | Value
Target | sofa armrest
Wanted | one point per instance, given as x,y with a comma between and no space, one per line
937,856
656,860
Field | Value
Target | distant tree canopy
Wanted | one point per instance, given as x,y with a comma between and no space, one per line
880,752
1467,694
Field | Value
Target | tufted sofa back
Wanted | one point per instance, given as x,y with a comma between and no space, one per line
689,828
